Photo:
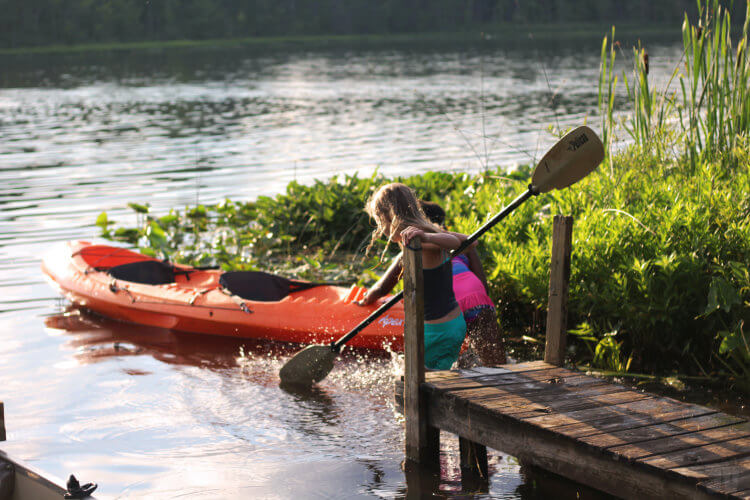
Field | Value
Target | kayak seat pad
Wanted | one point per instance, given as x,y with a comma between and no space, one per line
148,272
261,287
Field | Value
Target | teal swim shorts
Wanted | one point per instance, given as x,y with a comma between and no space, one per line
442,343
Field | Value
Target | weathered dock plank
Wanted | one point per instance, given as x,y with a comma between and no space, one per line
640,438
725,478
709,453
682,442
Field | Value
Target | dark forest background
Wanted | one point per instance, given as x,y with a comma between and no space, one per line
25,23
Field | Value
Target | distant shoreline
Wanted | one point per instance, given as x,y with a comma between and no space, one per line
487,34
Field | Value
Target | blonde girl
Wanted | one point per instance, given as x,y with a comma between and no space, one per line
399,218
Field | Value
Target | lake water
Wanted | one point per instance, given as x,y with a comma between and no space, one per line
160,414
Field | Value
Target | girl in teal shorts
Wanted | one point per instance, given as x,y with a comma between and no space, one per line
399,218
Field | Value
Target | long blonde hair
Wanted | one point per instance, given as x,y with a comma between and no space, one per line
394,207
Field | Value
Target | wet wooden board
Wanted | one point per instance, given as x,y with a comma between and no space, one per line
706,454
532,388
725,477
639,436
483,371
626,422
531,404
457,382
678,442
608,418
500,396
621,440
567,403
728,485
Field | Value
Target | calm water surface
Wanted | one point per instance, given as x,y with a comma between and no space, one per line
161,414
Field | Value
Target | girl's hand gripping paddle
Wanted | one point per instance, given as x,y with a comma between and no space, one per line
570,160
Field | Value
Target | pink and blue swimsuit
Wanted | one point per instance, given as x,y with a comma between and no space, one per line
469,289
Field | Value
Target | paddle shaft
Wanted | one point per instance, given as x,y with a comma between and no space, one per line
488,225
336,346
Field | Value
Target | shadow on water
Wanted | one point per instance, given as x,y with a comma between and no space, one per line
318,402
536,483
541,484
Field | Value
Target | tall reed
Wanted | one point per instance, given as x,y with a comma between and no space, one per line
709,117
715,87
607,87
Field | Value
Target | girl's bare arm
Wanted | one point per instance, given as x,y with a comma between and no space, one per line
462,238
475,266
443,240
385,284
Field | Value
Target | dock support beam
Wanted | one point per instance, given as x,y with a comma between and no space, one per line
422,441
557,309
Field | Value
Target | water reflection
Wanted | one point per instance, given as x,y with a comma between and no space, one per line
94,338
317,401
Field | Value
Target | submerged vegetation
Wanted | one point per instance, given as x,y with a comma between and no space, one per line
660,278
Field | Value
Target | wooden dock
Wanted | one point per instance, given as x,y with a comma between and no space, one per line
625,442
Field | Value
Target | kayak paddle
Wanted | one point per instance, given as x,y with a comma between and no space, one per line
570,160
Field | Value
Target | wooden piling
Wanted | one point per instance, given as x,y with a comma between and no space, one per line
557,309
2,422
422,441
474,465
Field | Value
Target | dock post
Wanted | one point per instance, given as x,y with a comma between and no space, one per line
2,421
557,309
474,465
422,441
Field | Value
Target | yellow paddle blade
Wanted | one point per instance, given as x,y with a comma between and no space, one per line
308,366
570,160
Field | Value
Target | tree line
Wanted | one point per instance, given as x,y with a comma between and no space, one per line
25,23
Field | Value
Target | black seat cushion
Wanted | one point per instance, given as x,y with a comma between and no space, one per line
261,287
149,272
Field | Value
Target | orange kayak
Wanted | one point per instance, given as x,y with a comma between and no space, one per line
126,285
